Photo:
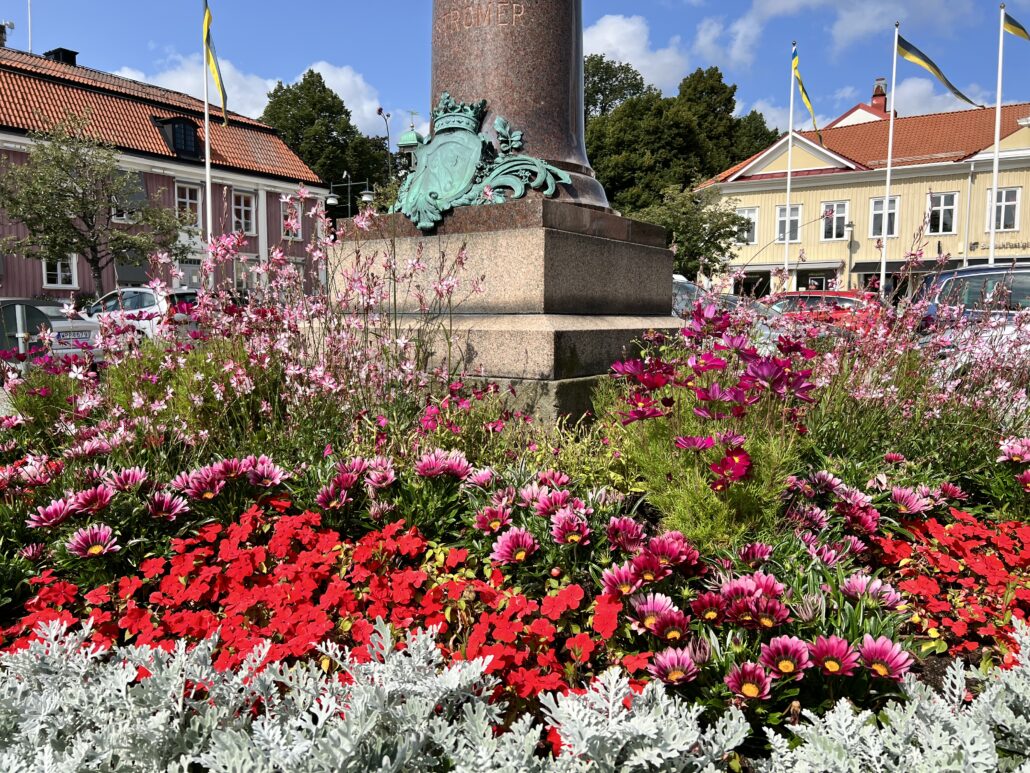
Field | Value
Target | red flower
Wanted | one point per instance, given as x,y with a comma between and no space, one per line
581,646
606,616
569,598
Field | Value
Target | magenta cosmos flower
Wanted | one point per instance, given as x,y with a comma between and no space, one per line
621,580
94,540
673,666
694,443
626,534
647,609
749,681
786,657
833,656
884,658
515,546
567,528
58,511
492,519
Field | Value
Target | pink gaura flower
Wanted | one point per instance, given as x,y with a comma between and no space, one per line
93,500
909,502
568,528
647,608
94,540
515,546
620,580
58,511
626,534
694,443
786,657
833,656
128,479
884,658
673,666
166,507
672,626
749,681
755,554
264,473
709,607
493,519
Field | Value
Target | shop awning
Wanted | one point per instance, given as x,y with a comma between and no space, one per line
894,266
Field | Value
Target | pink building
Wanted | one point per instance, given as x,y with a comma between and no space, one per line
160,136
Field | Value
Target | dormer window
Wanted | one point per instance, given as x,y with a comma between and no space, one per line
181,136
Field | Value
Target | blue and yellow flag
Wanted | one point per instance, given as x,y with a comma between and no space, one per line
907,51
1014,27
212,61
804,92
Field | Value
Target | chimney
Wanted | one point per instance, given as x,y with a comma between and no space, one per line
880,95
62,56
4,26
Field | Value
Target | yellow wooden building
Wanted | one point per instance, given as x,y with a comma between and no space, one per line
940,199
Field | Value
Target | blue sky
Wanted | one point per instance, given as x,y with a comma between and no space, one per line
376,53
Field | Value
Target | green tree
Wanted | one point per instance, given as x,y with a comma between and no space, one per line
607,84
68,193
752,136
315,123
703,227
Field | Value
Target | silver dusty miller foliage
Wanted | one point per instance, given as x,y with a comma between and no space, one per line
67,707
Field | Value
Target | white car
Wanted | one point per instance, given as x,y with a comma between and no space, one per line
140,307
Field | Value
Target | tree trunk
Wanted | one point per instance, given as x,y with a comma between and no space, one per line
98,279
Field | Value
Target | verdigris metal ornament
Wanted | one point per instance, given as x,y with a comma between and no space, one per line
459,166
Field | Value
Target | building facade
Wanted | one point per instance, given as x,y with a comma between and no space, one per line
159,135
836,234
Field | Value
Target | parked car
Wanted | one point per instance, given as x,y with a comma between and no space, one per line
141,307
684,295
22,319
849,309
978,290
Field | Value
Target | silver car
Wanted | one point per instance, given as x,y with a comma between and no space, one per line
23,319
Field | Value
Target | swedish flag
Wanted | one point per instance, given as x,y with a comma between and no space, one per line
1014,27
804,92
212,61
907,51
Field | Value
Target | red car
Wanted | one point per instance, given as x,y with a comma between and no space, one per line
851,309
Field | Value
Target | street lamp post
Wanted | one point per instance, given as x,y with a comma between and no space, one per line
849,230
332,200
389,162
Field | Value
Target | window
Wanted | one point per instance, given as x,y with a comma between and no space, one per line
942,213
290,220
876,218
835,217
749,233
1006,210
187,200
781,223
61,273
243,213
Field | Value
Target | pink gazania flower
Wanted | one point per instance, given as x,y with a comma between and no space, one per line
694,443
1015,450
204,483
504,497
550,502
749,681
864,520
786,657
457,466
672,626
649,568
709,607
769,613
951,491
166,507
531,494
884,658
380,473
93,500
826,482
128,479
1023,479
626,534
432,464
265,473
755,554
483,478
673,666
34,551
553,479
833,656
647,608
875,591
825,554
619,581
356,466
567,528
230,469
94,540
672,549
909,502
333,496
493,519
894,458
58,511
515,546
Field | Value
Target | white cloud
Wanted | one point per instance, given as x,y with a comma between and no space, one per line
706,40
777,116
845,94
857,21
628,39
917,96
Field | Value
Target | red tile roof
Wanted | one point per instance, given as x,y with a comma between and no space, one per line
35,93
919,139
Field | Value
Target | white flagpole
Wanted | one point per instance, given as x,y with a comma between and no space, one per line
208,203
890,164
30,26
993,206
790,171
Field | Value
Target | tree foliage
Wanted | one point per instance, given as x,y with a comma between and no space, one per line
607,84
315,123
702,226
67,195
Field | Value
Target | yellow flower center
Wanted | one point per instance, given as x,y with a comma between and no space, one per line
649,576
675,676
749,690
785,666
208,495
574,538
626,588
880,669
767,622
95,550
650,620
711,614
520,555
832,666
495,525
673,634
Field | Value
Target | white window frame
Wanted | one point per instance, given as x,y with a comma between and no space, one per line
751,213
128,217
237,223
200,200
994,210
781,210
284,207
954,212
837,215
896,202
73,261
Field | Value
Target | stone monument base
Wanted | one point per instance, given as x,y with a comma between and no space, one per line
566,291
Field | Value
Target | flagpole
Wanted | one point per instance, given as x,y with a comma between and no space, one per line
890,163
208,203
993,206
790,171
